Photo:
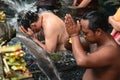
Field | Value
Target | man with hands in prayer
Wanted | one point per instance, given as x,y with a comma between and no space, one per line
104,62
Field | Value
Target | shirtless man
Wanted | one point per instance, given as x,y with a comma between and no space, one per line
102,63
53,27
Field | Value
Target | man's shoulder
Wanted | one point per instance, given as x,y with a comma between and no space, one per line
108,49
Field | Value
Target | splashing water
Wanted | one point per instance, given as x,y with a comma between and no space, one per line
18,6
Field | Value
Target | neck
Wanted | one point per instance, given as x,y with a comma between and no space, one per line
106,38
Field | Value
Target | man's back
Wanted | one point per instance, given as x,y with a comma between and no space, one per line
55,28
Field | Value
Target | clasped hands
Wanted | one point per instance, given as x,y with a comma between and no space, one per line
72,28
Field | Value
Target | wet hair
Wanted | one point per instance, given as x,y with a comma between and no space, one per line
96,20
28,19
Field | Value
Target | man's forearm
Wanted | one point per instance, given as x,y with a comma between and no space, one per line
39,43
78,50
74,2
84,3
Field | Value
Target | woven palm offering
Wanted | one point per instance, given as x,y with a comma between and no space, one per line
14,66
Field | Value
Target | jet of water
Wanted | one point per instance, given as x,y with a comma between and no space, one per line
20,5
44,62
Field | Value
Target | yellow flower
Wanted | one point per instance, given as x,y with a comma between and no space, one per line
70,40
2,16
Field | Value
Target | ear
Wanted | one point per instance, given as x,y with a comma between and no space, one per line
98,32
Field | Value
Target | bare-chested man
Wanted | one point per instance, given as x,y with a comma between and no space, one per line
53,27
102,63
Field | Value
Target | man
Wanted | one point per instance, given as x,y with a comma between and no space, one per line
53,27
104,62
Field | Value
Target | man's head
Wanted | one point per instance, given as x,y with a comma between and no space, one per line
93,25
28,19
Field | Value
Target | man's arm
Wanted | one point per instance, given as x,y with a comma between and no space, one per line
51,32
50,39
39,43
83,4
31,34
100,57
50,42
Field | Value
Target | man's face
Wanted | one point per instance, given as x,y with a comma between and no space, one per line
36,26
88,34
